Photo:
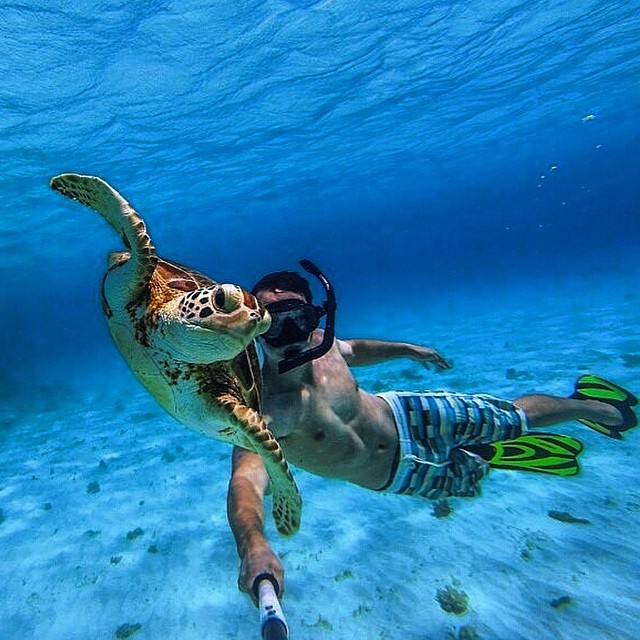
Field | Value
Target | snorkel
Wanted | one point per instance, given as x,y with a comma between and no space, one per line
329,305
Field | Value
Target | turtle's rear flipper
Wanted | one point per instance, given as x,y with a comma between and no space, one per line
538,452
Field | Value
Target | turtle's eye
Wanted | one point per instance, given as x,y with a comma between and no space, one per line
227,298
220,298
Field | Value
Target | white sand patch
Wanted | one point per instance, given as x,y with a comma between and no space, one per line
114,514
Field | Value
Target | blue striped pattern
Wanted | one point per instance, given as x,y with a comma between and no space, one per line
432,429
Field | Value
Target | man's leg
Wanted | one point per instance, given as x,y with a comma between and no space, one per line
543,410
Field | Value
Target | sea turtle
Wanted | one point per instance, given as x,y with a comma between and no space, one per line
188,339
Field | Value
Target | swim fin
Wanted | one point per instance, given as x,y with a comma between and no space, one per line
538,452
590,387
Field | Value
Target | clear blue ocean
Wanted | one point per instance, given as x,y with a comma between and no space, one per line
468,176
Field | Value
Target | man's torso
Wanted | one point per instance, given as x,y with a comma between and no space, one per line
328,426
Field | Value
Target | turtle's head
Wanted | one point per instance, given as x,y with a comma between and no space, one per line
212,323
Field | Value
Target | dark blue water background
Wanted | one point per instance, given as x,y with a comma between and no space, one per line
418,151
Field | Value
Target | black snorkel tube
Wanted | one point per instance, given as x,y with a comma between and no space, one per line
329,305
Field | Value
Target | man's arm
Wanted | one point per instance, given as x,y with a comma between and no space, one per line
366,352
245,511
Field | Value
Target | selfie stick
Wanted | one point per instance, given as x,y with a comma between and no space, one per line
273,626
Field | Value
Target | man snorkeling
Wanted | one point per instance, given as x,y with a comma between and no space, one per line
426,444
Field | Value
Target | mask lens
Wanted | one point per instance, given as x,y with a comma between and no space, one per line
294,317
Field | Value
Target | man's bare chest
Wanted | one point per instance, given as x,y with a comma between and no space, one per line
308,410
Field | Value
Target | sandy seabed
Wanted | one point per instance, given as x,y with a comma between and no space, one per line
113,524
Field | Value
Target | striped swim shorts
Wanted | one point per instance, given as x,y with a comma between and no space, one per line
433,428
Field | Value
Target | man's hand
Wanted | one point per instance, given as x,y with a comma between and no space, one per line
427,356
256,561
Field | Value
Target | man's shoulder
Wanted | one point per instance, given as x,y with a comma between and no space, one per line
345,348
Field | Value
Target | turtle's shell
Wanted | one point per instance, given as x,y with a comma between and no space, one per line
179,277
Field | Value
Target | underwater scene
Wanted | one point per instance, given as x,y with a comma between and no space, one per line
466,177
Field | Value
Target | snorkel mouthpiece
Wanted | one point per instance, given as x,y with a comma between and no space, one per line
329,305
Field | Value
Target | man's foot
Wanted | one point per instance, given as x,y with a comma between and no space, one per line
618,417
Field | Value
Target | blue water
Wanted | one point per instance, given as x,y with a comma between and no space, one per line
411,142
429,156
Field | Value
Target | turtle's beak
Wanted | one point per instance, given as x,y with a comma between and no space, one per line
264,322
262,318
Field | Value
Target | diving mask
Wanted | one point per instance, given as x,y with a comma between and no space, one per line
294,320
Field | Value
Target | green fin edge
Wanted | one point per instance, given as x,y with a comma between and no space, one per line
597,388
592,387
550,453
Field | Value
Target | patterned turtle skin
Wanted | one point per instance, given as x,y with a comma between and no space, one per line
188,339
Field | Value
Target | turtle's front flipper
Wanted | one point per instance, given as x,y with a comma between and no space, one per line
248,430
98,195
